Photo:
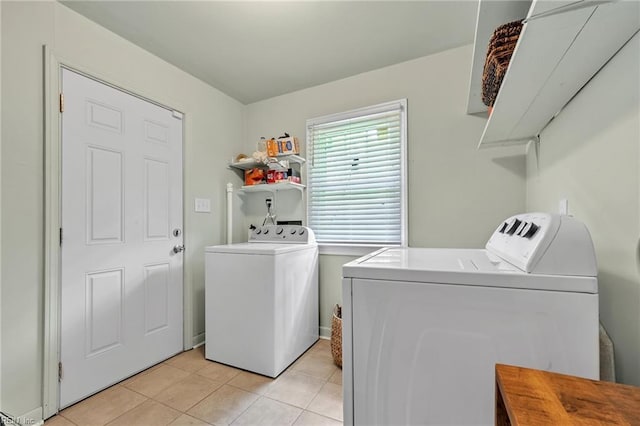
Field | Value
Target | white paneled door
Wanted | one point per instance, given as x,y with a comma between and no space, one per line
121,284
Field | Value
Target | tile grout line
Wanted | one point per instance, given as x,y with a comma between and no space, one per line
312,376
246,409
110,387
220,387
131,409
314,398
285,403
299,415
197,402
302,409
324,415
67,419
139,393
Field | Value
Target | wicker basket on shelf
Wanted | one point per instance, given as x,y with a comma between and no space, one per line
501,47
336,335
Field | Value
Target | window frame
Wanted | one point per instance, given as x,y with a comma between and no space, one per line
359,249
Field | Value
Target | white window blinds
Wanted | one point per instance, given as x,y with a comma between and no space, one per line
356,176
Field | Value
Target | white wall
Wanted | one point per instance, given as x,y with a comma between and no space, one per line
589,154
212,120
457,195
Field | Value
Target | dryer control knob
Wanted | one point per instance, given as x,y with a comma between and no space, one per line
301,231
258,231
521,227
279,230
293,231
266,231
529,230
503,227
512,226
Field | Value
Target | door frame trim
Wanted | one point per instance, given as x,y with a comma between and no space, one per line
52,139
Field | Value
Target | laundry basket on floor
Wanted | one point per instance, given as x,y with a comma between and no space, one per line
336,335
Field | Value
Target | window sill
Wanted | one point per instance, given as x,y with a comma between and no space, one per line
347,249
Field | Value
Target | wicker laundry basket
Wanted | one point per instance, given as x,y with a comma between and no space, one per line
336,335
501,47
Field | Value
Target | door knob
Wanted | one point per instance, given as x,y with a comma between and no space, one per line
178,248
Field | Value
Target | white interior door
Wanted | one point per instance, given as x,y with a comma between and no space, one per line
121,284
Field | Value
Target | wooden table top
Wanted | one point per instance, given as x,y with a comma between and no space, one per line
535,397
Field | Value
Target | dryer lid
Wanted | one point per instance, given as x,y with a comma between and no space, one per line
476,267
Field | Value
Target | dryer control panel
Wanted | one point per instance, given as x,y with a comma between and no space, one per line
294,234
545,243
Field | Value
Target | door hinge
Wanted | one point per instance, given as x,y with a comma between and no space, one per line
60,371
61,102
60,236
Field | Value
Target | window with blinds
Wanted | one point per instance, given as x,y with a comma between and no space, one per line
356,176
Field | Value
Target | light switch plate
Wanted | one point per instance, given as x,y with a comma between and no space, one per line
203,205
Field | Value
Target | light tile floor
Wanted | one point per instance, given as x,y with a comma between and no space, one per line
190,390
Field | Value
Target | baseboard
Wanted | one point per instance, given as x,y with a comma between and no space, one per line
198,340
325,332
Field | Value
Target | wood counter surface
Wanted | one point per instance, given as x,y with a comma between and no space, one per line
528,397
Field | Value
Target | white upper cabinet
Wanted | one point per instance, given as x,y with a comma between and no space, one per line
563,44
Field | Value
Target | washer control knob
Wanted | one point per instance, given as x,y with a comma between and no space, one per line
301,231
513,225
258,231
279,230
529,230
266,231
293,231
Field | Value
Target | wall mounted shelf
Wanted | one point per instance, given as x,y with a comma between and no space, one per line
273,187
274,163
563,44
248,165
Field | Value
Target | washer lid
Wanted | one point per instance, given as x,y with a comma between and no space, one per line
258,248
458,266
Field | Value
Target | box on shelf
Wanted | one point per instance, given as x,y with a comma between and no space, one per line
275,176
272,148
293,175
283,146
289,145
254,176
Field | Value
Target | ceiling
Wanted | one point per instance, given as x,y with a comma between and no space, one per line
255,50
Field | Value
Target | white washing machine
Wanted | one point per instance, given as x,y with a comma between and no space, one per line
261,299
424,328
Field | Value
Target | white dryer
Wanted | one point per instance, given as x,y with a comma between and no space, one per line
424,328
261,299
